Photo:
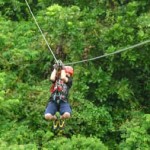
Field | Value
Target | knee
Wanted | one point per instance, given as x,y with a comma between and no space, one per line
48,116
66,115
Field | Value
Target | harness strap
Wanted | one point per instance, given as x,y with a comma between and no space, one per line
57,92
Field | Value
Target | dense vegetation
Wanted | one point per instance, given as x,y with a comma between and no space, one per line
110,96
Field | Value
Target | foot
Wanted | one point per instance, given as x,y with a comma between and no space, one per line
55,124
61,124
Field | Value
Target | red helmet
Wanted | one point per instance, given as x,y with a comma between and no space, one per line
69,69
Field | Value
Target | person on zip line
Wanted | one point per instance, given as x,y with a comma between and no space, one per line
61,78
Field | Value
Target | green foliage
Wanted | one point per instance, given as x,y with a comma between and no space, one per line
124,91
4,145
76,142
64,25
6,103
135,133
106,93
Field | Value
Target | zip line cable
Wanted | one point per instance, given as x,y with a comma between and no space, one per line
105,55
40,30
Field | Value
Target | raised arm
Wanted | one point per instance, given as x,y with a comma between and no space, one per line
53,75
63,76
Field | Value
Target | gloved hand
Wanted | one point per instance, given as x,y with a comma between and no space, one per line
60,64
55,66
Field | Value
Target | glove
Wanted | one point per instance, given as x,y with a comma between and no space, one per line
60,64
55,66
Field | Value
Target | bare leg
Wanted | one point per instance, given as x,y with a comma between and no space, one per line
49,116
66,115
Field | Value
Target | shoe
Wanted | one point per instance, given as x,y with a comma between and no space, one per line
55,124
61,124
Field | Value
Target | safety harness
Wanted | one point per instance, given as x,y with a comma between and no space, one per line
59,91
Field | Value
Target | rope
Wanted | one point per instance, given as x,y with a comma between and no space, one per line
105,55
40,30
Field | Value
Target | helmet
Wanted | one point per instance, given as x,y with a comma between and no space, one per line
69,69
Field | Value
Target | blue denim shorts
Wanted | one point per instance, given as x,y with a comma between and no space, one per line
62,107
